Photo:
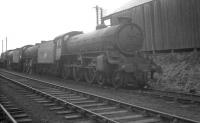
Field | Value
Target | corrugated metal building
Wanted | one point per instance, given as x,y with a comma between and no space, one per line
167,24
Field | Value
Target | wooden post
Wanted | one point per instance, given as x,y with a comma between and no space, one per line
97,14
2,46
101,10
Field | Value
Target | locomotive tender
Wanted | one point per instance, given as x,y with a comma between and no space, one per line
107,56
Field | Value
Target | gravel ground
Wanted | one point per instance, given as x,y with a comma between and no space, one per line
37,112
192,112
181,72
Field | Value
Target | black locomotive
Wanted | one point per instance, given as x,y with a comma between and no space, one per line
110,55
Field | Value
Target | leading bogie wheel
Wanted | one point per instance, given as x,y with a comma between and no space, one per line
30,70
118,79
66,72
101,78
76,74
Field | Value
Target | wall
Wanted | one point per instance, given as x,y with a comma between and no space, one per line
167,24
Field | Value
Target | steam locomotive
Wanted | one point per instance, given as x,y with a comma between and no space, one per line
106,56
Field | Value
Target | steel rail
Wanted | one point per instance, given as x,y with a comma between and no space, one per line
8,116
173,92
68,104
179,97
170,117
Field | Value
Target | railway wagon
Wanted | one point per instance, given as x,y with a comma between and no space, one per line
9,59
108,56
4,59
46,58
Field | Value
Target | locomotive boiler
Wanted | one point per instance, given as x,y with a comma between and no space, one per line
107,56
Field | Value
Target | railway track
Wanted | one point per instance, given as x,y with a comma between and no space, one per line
10,113
61,112
186,99
179,97
96,107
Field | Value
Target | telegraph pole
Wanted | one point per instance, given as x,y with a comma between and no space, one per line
6,43
99,15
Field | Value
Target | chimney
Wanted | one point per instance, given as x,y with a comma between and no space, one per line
43,42
124,20
37,44
100,26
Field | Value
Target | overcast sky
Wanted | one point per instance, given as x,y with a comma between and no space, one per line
30,21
